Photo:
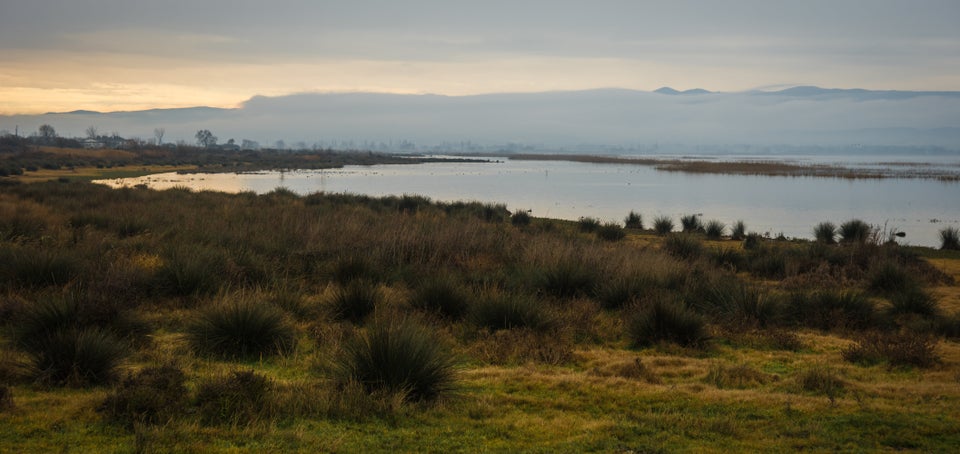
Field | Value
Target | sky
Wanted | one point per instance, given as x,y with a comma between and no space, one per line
119,55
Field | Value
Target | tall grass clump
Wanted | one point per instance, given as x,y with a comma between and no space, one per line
442,295
903,349
888,278
610,231
633,221
76,357
691,223
355,301
154,395
567,278
739,231
825,232
855,231
38,267
241,329
666,321
714,229
831,309
618,292
684,246
950,239
662,225
400,357
497,311
739,305
520,218
242,398
915,301
588,224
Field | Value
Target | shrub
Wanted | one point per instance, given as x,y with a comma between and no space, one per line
155,395
714,229
588,224
398,357
76,357
634,221
855,231
505,311
950,239
691,223
610,231
887,277
662,225
825,232
241,329
683,246
443,296
916,302
242,398
829,309
567,278
751,242
896,349
520,218
355,301
664,321
739,231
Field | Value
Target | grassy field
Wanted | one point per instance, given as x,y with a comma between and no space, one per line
134,320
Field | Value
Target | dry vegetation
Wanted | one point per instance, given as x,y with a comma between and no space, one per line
208,322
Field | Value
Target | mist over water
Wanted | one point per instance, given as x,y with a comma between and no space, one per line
570,190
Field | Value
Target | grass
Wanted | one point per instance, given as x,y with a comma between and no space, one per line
825,232
562,366
691,223
739,231
662,225
714,229
398,357
633,221
355,301
611,231
241,329
76,357
855,231
950,239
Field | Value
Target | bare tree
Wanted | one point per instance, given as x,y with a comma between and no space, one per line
205,138
47,133
158,133
91,132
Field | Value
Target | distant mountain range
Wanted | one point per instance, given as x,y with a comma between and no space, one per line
797,116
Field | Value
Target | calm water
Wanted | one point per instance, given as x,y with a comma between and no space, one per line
568,190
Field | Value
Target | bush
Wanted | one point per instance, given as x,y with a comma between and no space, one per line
825,232
751,242
155,395
664,321
887,278
896,349
621,291
443,296
520,218
398,357
355,301
914,302
683,246
739,305
855,231
242,398
588,224
611,231
950,239
714,229
76,357
242,329
633,221
505,311
739,231
662,225
826,310
567,278
691,223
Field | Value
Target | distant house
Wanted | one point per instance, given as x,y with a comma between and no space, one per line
92,144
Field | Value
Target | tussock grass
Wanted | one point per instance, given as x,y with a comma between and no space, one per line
823,380
666,321
662,225
400,357
825,232
739,231
497,310
826,310
520,218
154,395
633,221
355,301
568,277
241,398
611,231
241,329
896,349
683,246
76,357
855,231
588,224
442,295
950,239
691,223
714,229
741,376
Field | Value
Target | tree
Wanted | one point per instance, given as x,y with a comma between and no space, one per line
91,132
158,133
47,133
205,138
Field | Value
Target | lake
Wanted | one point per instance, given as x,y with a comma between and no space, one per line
570,190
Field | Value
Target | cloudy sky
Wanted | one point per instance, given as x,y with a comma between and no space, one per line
61,55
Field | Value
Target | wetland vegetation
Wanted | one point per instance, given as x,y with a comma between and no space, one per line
195,321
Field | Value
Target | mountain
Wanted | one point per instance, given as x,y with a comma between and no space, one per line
801,116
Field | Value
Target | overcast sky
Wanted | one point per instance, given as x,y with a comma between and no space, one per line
61,55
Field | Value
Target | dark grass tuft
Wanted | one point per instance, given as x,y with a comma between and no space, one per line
76,357
398,357
896,349
154,395
714,229
442,295
914,301
240,399
611,231
242,329
588,224
498,311
950,239
691,223
662,225
855,231
821,380
567,278
825,232
664,321
621,291
831,309
887,278
684,246
355,301
520,218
